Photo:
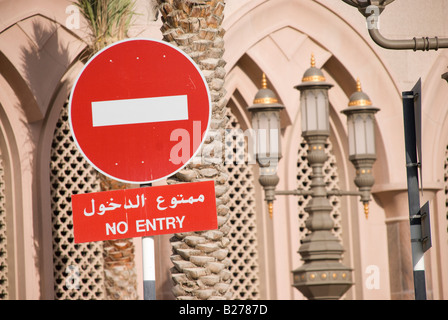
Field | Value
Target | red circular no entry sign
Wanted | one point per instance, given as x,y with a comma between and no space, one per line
139,110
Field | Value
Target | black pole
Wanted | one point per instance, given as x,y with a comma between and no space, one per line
149,281
412,167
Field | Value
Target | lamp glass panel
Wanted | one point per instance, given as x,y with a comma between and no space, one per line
351,136
360,135
322,111
262,135
255,121
311,110
370,135
303,109
274,135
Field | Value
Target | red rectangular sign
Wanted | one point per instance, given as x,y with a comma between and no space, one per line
142,212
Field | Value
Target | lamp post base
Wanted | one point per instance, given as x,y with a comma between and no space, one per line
323,280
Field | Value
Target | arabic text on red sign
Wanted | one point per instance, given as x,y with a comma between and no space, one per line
142,212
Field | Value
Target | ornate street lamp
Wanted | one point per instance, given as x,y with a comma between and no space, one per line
372,9
322,275
266,124
361,140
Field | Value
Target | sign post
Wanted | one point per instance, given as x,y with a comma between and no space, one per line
132,103
418,217
149,271
149,263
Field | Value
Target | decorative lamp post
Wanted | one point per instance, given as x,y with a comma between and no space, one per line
322,275
266,124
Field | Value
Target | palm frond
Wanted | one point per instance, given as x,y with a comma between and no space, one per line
109,20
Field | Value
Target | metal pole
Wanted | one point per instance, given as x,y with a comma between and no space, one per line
149,270
372,14
322,275
422,43
414,196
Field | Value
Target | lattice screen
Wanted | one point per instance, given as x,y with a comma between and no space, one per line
331,179
3,243
78,268
243,232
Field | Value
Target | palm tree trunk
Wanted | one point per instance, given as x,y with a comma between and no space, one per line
109,21
201,258
120,276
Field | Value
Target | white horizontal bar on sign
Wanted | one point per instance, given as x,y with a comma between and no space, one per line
142,110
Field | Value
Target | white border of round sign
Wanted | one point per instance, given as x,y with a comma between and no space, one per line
202,139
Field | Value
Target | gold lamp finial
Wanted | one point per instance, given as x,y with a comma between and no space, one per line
366,210
313,74
359,98
358,85
264,82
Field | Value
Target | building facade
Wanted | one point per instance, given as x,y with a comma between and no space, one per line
40,47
